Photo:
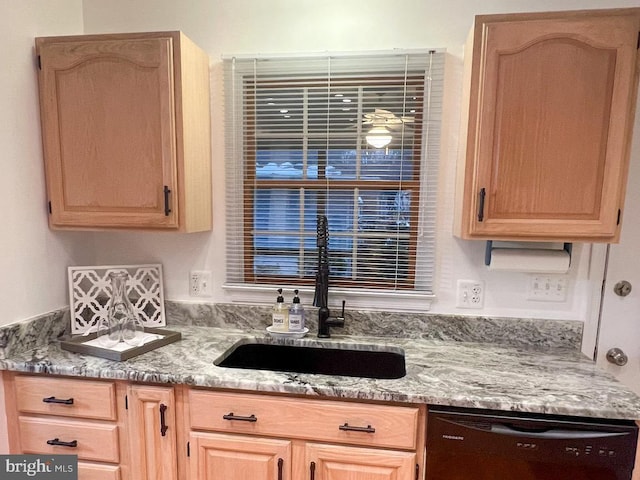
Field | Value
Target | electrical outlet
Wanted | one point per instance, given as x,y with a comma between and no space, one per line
200,283
548,288
470,294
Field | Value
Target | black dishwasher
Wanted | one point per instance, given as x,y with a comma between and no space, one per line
472,444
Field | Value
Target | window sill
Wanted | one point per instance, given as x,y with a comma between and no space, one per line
374,300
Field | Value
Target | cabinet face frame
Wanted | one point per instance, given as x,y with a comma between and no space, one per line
495,35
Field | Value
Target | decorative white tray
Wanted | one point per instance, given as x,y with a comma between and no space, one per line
279,334
90,291
89,345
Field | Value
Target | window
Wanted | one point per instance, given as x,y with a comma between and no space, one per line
352,137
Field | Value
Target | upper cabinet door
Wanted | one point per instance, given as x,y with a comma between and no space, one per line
552,100
113,116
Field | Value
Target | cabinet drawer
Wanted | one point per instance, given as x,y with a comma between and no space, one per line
84,398
95,441
322,420
94,471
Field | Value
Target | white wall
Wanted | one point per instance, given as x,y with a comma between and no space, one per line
33,259
277,26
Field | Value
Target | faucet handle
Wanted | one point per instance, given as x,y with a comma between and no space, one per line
342,312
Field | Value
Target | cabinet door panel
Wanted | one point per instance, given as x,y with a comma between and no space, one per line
330,462
95,471
233,457
551,112
153,447
533,170
108,124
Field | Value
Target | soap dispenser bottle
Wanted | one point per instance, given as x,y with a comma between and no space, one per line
296,314
280,314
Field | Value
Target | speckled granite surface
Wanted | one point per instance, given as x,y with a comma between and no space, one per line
471,374
504,331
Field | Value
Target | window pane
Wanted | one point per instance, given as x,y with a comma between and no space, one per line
334,111
276,265
383,258
384,210
277,210
274,160
277,110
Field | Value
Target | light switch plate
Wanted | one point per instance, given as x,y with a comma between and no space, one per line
548,288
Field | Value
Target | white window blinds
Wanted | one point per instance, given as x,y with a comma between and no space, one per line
353,137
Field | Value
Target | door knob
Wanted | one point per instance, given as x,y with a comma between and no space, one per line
617,357
622,288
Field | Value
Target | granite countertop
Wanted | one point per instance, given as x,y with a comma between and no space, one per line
444,372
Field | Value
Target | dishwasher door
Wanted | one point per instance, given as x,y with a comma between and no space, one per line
470,444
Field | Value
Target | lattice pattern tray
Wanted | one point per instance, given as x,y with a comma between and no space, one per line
90,291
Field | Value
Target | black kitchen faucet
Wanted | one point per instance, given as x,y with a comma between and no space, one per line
321,297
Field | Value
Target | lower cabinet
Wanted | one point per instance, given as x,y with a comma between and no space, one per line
242,436
236,457
333,462
125,431
152,432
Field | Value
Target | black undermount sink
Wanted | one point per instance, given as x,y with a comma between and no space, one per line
349,362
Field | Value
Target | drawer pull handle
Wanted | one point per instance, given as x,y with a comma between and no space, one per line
59,443
231,416
312,470
280,463
163,423
348,428
68,401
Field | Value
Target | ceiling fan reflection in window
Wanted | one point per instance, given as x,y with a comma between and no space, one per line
383,123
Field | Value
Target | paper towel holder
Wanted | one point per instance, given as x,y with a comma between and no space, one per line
567,247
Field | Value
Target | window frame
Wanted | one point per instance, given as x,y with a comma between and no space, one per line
247,181
252,183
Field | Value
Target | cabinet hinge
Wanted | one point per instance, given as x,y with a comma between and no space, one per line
49,207
417,471
39,62
126,402
638,41
619,215
188,449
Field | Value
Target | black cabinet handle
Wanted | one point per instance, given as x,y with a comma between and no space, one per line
68,401
481,195
348,428
280,464
231,416
163,424
312,470
167,208
59,443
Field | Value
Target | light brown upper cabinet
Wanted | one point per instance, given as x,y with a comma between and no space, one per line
551,98
126,131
